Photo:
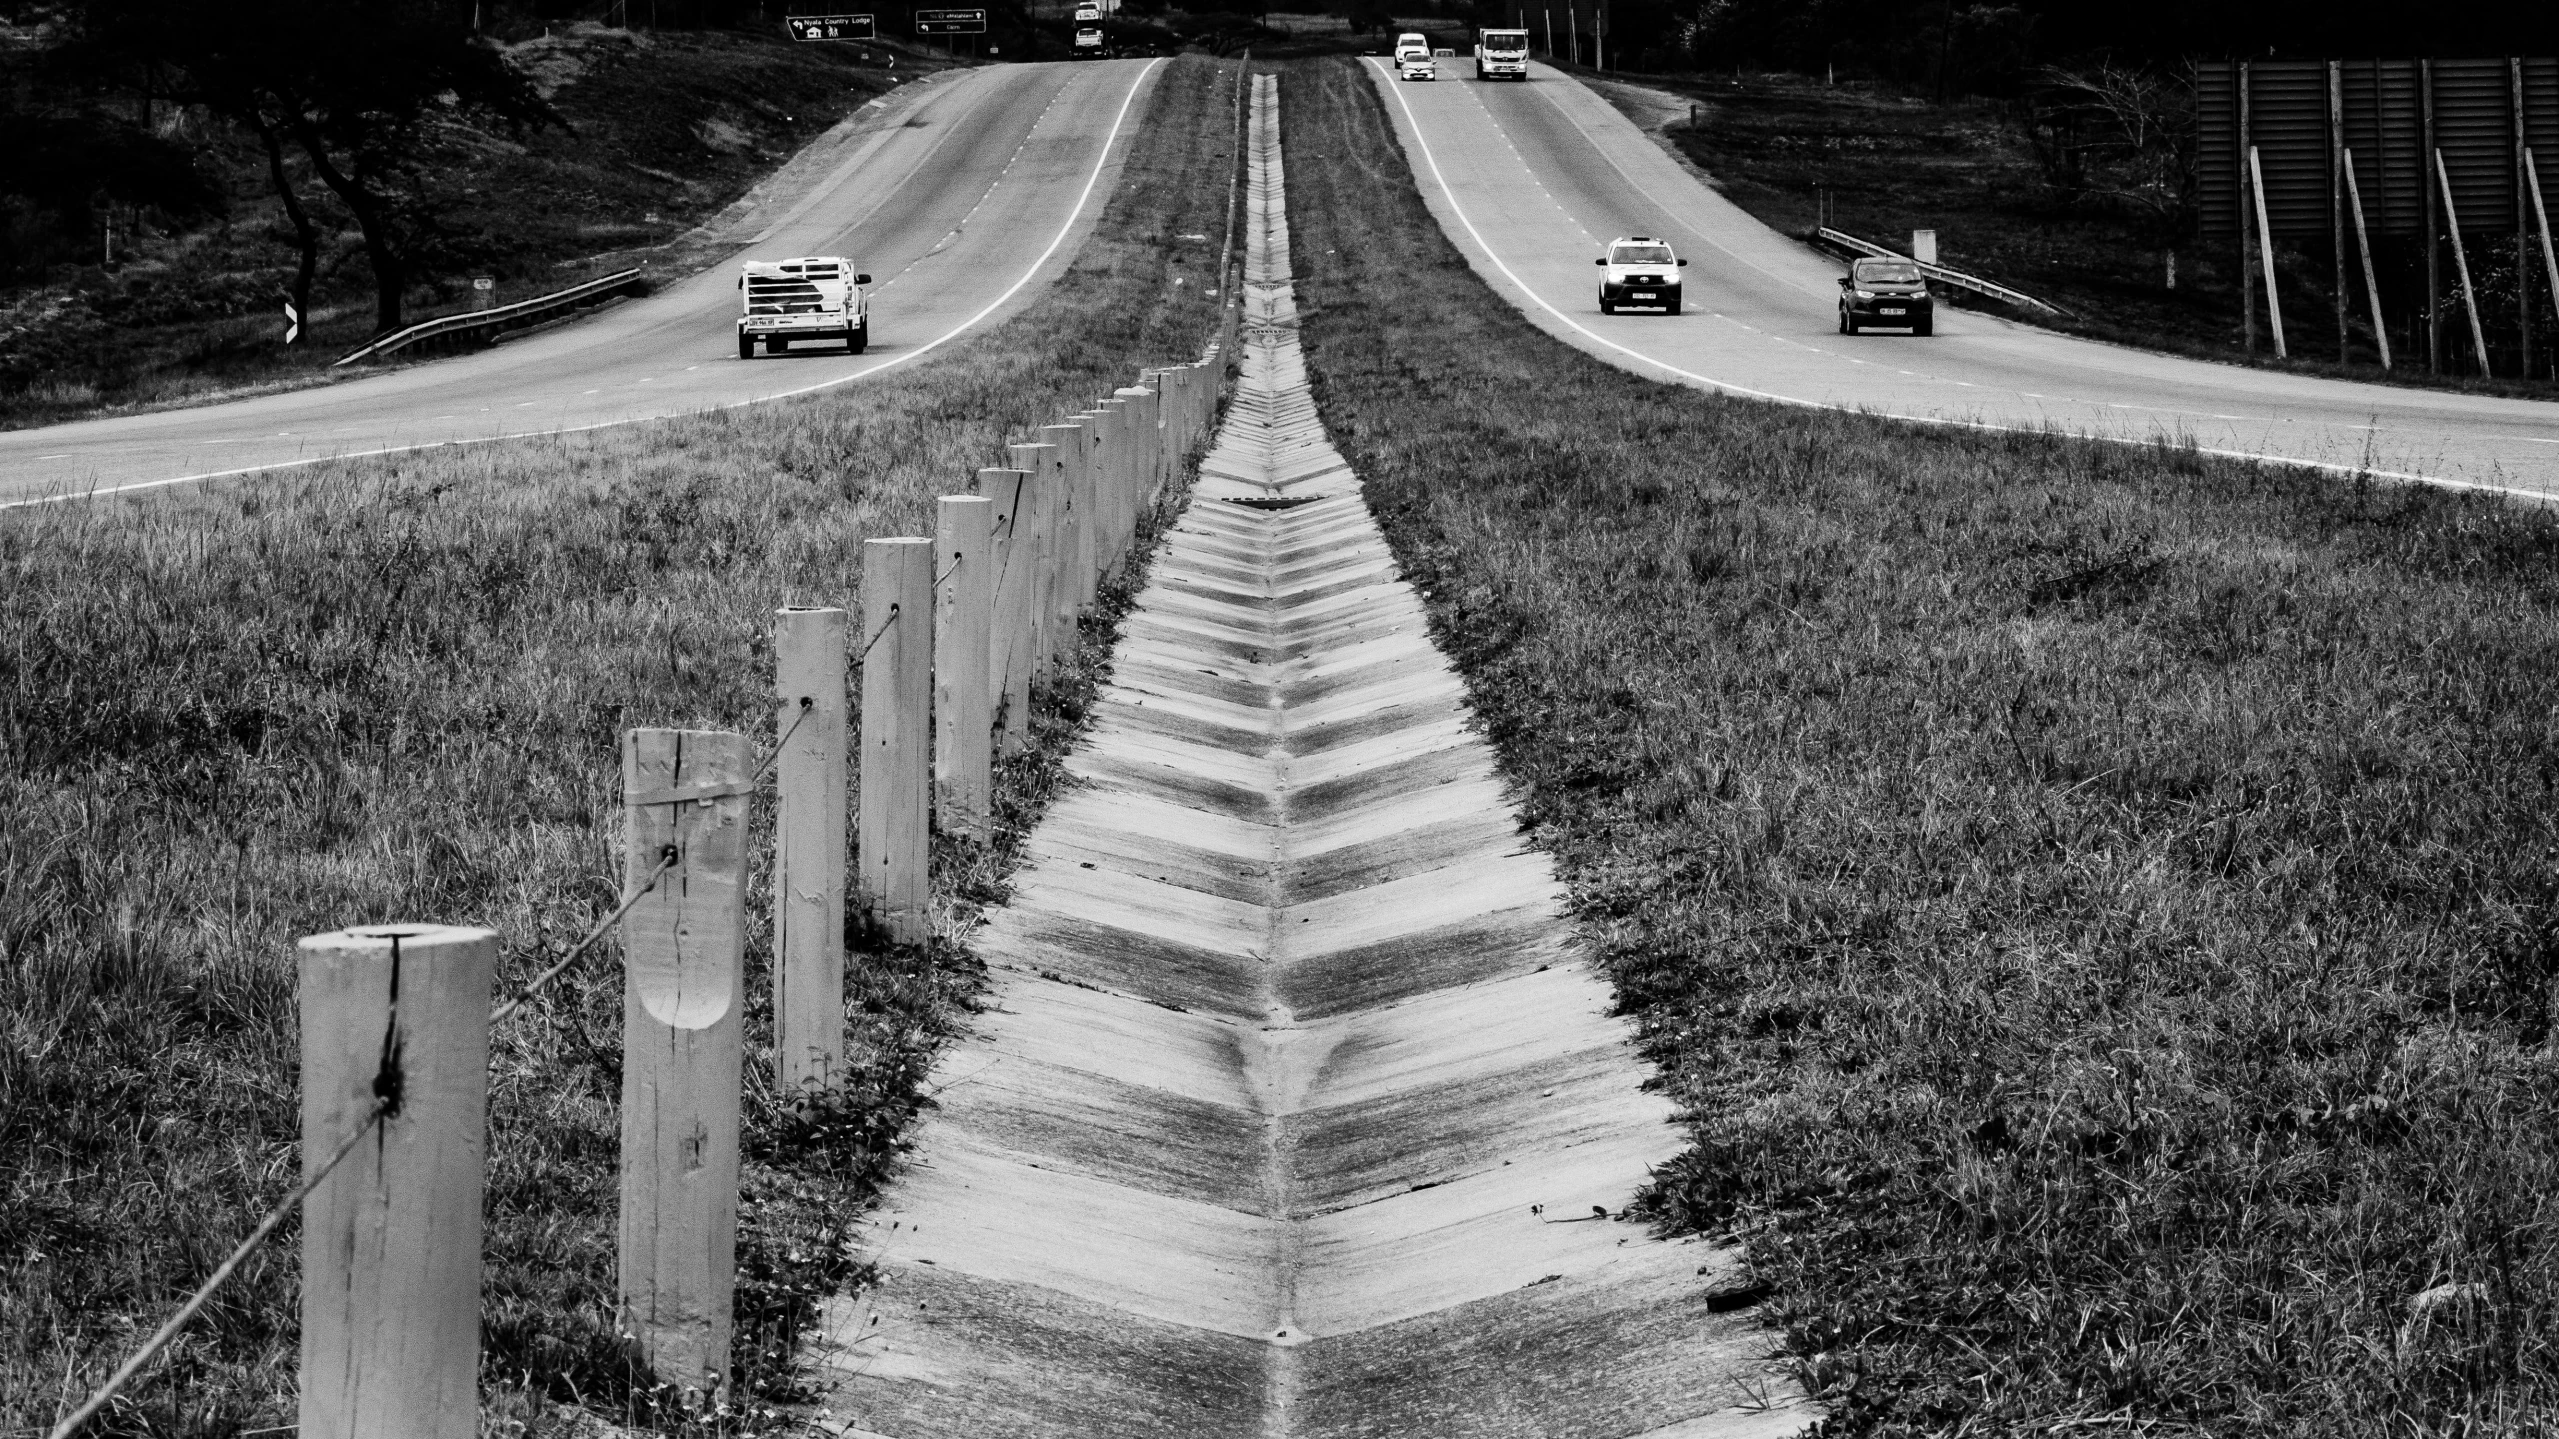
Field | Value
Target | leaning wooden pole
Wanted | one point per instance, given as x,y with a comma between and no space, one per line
2363,246
2266,253
2461,265
2541,215
396,1017
684,795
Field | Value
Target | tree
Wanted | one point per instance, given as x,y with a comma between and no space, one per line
363,90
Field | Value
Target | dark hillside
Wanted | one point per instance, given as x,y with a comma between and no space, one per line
656,132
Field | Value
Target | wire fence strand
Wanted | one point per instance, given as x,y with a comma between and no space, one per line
204,1293
161,1338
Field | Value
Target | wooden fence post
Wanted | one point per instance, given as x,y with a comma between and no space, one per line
1008,650
1086,501
1110,476
391,1239
809,861
1139,452
1047,467
897,734
963,618
684,793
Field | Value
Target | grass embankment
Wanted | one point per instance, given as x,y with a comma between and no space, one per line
1780,146
392,689
659,130
2095,905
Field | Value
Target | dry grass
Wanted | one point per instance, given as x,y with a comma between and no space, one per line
2098,907
391,689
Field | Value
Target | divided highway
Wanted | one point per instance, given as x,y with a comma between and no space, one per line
959,203
1530,181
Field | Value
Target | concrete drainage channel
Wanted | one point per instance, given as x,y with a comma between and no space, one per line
1294,1112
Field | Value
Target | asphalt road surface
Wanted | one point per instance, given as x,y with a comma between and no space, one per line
961,202
1531,180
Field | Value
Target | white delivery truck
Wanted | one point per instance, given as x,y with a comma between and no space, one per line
816,297
1501,55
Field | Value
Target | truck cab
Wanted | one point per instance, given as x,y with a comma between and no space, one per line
818,298
1501,55
1088,13
1413,57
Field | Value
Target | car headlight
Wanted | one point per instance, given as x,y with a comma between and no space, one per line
1865,294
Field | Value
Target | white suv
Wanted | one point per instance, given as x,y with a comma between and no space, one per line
1639,271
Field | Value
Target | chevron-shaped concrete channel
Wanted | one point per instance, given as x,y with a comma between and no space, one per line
1295,1109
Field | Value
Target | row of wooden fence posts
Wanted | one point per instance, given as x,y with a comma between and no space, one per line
954,629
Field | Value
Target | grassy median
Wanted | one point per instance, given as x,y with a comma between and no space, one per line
2097,906
393,689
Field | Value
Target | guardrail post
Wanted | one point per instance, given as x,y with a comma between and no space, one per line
897,734
391,1239
1086,501
808,860
684,795
1047,469
1110,476
1139,452
1010,642
963,617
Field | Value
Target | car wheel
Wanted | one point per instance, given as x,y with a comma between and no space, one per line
1607,306
1925,327
1843,320
745,347
1847,323
773,344
856,340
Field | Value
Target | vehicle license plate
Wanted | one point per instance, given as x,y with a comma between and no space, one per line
1646,295
1889,310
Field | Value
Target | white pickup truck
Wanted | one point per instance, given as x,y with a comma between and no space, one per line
1501,55
816,297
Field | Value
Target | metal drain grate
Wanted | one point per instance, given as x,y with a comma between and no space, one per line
1274,502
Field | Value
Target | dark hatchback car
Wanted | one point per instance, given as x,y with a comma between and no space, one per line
1885,293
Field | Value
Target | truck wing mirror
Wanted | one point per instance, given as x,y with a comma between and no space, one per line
1602,260
861,279
1683,264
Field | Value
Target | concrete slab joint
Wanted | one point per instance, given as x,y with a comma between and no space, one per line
1295,1111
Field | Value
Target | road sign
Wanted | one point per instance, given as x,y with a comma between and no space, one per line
950,22
292,323
830,27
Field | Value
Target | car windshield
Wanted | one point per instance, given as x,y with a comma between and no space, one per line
1641,255
1888,272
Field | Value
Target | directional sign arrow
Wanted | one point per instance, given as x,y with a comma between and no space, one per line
292,323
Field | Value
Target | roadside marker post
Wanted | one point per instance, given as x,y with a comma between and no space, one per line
897,735
391,1238
683,953
963,616
809,860
1009,641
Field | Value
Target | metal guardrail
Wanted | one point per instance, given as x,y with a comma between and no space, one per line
1958,278
522,312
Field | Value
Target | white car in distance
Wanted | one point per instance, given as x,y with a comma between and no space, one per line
815,297
1413,57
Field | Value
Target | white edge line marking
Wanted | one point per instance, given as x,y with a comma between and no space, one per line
2163,439
1100,163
